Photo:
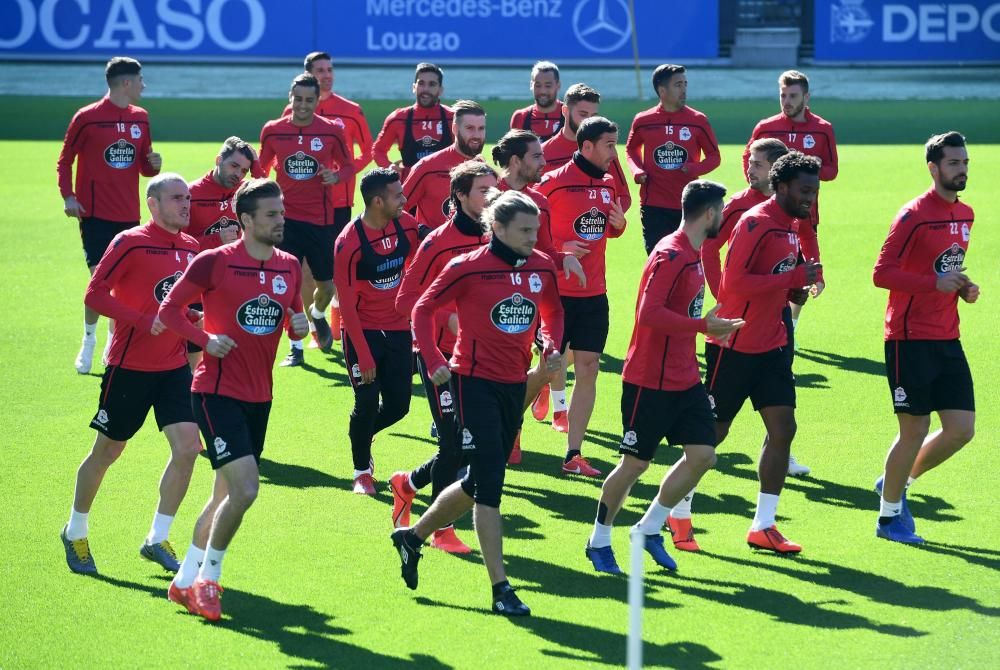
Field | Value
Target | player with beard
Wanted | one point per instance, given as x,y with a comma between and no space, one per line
428,184
662,393
545,117
762,266
420,129
922,263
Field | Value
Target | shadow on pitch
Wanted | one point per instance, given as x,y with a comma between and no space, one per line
299,476
865,366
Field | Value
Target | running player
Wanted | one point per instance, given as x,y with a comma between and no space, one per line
420,129
471,183
371,257
922,264
213,219
428,185
146,368
586,207
499,292
249,289
545,117
668,146
662,393
309,154
112,146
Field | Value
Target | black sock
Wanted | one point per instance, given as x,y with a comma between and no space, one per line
412,540
885,520
500,587
571,454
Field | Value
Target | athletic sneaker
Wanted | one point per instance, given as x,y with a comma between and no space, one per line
904,513
85,359
508,604
897,531
183,597
683,534
161,553
335,323
603,559
446,540
402,499
796,469
207,598
324,336
364,484
540,407
578,465
771,540
78,556
294,359
560,421
515,454
408,557
654,547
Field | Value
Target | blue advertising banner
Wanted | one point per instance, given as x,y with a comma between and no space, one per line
364,31
917,32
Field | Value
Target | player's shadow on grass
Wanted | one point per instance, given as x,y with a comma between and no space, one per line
338,377
612,365
424,438
988,558
865,366
299,476
811,380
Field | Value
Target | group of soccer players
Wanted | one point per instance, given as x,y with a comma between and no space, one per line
461,271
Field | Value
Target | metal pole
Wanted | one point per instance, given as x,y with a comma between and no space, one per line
633,655
635,50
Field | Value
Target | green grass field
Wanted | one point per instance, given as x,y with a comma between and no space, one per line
312,579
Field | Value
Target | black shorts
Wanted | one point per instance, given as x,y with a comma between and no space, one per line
927,376
585,323
657,223
232,428
392,351
732,376
96,235
128,395
312,243
440,398
649,415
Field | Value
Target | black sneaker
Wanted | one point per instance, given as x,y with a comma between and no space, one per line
408,557
508,604
324,336
294,359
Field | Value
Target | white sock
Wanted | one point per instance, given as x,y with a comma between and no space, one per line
296,344
211,567
316,314
89,329
366,471
160,529
795,322
767,508
558,400
76,529
887,508
193,559
601,537
682,510
654,518
909,481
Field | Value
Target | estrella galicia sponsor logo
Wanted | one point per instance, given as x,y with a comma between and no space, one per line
670,156
221,224
786,264
163,287
591,224
392,281
952,258
120,155
694,309
260,316
300,166
514,315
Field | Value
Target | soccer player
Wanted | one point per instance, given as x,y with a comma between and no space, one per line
309,154
146,368
668,146
371,257
922,264
249,289
545,117
428,185
662,393
499,291
471,183
213,219
420,129
111,144
762,267
586,207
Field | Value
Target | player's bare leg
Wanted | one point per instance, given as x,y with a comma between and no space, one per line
92,470
780,424
587,365
449,506
184,449
957,429
242,479
489,530
616,488
902,454
538,377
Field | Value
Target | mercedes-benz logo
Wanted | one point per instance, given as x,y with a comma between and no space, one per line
601,28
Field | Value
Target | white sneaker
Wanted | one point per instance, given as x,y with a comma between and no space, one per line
85,359
796,469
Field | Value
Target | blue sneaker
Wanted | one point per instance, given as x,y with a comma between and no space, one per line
904,512
162,554
603,559
897,531
654,547
78,556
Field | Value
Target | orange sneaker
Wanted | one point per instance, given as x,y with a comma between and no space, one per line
578,465
335,322
206,594
683,534
771,540
364,484
540,407
515,454
183,597
446,540
402,499
560,421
